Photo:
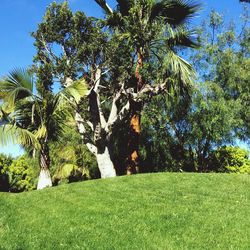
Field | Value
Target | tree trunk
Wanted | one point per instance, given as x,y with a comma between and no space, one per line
105,163
44,179
133,140
132,166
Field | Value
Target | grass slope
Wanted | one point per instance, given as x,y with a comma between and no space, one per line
152,211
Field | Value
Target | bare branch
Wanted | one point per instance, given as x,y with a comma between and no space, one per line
65,54
90,124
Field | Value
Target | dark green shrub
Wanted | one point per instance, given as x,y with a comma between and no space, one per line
5,162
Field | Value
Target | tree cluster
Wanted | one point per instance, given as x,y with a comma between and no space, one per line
115,96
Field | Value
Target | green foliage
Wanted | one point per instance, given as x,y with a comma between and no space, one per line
76,37
179,133
23,174
230,159
70,173
70,159
224,60
17,175
157,31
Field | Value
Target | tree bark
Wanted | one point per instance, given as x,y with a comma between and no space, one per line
133,140
98,145
105,163
132,166
44,179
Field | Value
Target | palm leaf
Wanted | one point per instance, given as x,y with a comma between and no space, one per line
76,90
180,37
41,132
16,135
174,12
179,68
17,85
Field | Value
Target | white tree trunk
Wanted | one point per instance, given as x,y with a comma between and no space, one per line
105,164
44,179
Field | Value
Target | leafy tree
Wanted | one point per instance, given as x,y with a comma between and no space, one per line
154,30
224,60
185,131
84,48
17,175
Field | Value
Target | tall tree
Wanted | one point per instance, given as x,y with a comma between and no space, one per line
151,27
33,120
75,47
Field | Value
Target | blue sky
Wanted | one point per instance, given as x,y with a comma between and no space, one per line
20,17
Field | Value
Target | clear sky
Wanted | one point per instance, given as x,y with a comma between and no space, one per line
20,17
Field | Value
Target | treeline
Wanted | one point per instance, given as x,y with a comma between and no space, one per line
118,96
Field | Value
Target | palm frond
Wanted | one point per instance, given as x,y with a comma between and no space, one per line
174,12
77,90
3,117
16,135
41,132
17,85
180,37
179,68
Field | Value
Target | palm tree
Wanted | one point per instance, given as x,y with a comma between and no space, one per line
152,28
33,120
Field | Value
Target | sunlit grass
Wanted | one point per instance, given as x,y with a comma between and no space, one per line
152,211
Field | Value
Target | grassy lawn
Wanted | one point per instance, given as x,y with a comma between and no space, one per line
152,211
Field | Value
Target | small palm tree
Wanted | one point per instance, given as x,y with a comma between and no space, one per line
33,120
152,28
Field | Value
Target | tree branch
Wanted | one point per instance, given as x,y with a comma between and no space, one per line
83,132
119,117
96,89
114,109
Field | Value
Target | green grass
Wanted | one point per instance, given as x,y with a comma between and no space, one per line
152,211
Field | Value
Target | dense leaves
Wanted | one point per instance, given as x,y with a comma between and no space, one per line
17,175
230,159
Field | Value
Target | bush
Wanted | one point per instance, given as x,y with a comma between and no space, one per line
230,159
23,174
